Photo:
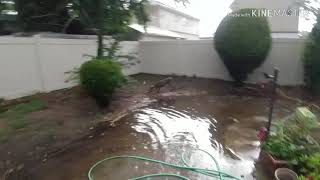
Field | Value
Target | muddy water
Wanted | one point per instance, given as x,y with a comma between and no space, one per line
223,126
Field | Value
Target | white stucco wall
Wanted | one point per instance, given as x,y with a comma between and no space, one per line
277,23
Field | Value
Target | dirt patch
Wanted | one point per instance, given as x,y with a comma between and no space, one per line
70,117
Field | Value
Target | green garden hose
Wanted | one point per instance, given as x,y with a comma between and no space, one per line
216,174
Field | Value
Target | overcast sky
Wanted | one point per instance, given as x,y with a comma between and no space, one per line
211,12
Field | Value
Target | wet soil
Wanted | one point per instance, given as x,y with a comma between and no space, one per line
64,140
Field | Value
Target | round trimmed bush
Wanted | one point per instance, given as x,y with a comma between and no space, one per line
312,60
243,42
100,77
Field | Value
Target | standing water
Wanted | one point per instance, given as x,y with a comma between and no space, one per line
223,126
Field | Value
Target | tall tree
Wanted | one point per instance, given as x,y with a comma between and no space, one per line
105,17
109,17
7,18
42,15
312,59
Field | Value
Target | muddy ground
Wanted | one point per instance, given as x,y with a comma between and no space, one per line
71,126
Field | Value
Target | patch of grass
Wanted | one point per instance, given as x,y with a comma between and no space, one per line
24,108
16,116
1,108
4,136
18,122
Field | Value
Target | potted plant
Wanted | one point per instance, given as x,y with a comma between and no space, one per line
276,152
310,167
289,141
285,174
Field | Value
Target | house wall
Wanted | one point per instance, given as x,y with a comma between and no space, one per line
37,64
277,23
153,12
169,19
156,38
178,23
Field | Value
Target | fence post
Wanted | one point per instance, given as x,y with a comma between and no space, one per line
38,63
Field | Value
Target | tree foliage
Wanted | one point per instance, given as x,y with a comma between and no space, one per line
110,17
312,59
7,20
42,15
102,17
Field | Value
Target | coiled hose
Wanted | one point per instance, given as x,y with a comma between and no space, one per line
216,174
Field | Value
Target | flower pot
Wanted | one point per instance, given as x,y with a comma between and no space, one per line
270,164
285,174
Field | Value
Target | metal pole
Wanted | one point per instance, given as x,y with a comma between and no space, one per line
272,97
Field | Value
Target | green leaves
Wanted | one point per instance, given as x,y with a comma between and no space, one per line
42,15
112,16
100,77
282,148
311,166
311,59
292,141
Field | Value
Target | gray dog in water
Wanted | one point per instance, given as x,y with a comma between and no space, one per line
162,83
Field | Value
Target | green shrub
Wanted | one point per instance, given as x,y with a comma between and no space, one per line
100,77
312,59
243,43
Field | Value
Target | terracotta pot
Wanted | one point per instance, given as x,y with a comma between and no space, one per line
270,163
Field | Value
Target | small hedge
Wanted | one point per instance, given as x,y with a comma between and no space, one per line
312,60
243,42
100,77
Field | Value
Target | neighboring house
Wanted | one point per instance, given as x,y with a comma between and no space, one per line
168,23
284,24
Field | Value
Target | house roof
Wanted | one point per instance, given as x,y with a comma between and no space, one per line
152,30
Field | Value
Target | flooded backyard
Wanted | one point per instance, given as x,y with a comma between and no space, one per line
171,125
224,126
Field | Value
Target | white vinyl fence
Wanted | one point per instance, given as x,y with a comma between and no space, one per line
31,65
199,58
38,64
